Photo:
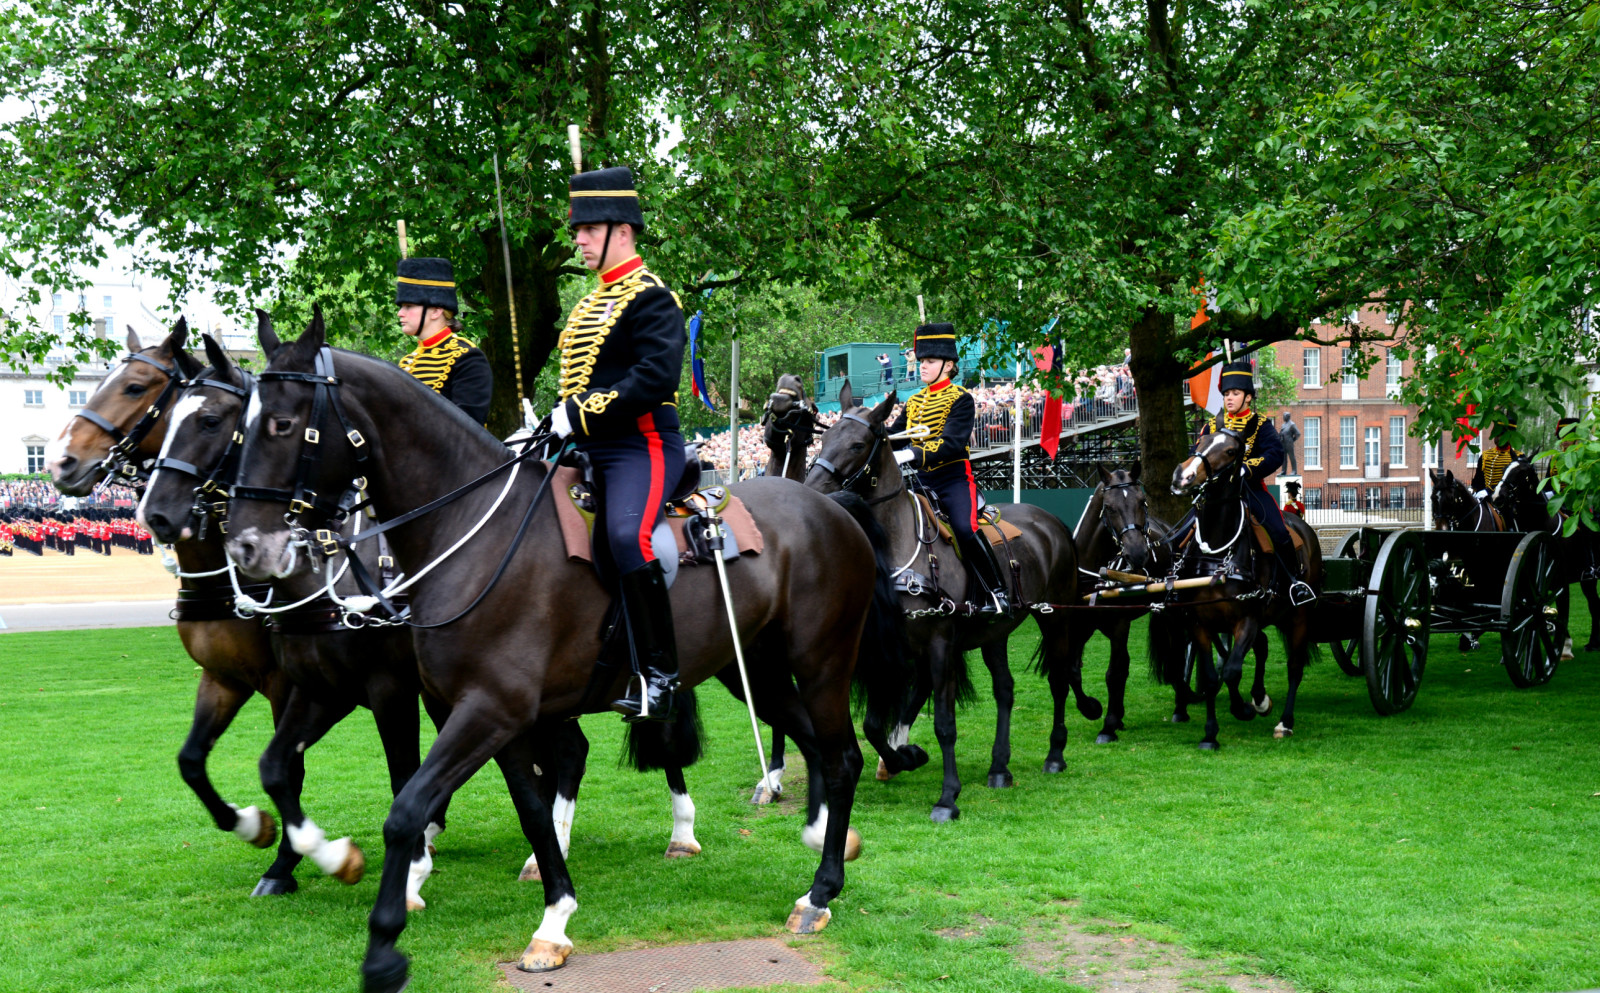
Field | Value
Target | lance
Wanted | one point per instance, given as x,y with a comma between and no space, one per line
511,296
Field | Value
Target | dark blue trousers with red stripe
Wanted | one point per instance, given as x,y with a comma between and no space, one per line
634,476
958,493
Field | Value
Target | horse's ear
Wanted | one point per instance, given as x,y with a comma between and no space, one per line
1105,474
265,334
847,397
883,410
173,343
188,366
217,357
134,344
1133,473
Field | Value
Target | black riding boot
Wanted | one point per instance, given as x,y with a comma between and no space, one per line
649,618
979,555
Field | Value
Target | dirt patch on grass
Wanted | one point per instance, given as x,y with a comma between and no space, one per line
1108,957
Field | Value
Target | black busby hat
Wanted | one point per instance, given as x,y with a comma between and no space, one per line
1292,486
605,196
1238,376
430,282
936,341
1566,426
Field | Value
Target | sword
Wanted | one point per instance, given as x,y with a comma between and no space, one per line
511,297
714,539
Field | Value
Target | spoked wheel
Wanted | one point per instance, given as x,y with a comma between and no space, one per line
1346,646
1396,623
1530,645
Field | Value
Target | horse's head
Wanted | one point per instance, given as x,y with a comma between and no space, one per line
1213,453
1452,501
787,397
855,451
1517,497
1125,514
123,423
199,456
299,458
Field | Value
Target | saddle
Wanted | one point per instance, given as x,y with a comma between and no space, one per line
1302,558
682,507
997,531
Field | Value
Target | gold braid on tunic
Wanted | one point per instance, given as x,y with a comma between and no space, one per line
587,329
1242,423
432,364
930,409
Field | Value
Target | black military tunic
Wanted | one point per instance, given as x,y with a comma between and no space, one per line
455,369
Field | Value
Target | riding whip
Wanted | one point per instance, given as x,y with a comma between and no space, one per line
714,539
511,296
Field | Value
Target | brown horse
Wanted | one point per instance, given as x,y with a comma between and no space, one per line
1457,508
856,456
122,426
1219,542
508,633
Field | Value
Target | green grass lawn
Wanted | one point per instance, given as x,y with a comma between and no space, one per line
1451,848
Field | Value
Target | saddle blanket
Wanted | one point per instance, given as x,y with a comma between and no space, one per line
575,524
997,532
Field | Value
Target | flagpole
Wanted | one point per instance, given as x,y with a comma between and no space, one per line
1016,436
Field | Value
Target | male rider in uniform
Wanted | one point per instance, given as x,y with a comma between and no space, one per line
945,410
444,361
1492,467
621,360
1262,456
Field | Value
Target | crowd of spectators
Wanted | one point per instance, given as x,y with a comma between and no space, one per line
39,493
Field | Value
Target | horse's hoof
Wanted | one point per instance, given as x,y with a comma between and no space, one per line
852,845
1466,643
999,780
807,919
390,978
1592,646
275,886
1054,766
1282,732
1243,710
682,850
913,757
530,873
1177,718
1090,708
764,794
543,956
1264,707
944,815
354,867
414,903
884,775
1208,746
268,834
1105,737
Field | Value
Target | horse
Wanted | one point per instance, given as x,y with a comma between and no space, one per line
1219,544
120,427
1522,498
1457,508
508,632
856,457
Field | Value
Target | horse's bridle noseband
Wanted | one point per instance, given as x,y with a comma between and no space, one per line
121,460
868,470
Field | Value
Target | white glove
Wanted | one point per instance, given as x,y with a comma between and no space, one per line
559,422
904,455
1482,494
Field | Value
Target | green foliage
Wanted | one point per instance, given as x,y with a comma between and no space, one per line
1277,386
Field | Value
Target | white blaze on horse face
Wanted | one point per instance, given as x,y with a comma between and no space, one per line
562,812
553,928
683,820
252,413
816,832
180,413
1188,470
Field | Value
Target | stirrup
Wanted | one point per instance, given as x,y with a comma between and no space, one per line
636,709
996,607
1301,593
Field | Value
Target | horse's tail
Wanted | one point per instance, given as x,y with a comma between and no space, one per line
1167,642
883,679
653,745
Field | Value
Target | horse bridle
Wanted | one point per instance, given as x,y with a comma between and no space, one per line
120,460
211,495
325,399
1459,523
868,470
1116,535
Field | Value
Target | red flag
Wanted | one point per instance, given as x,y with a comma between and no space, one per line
1050,427
1468,434
1043,356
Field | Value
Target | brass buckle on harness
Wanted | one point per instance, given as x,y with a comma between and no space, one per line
328,541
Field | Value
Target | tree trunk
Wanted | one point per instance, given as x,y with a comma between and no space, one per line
539,321
1163,431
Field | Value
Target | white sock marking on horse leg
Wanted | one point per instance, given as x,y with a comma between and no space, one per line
813,834
773,780
553,928
418,874
562,813
249,823
683,821
308,840
431,832
900,736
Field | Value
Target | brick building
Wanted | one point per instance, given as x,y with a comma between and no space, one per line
1356,450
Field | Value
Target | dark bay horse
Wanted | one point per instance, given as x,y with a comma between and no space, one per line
1457,508
125,422
1522,498
856,456
1240,606
507,632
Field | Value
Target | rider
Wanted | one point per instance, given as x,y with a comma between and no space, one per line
621,359
1492,467
1294,505
449,364
945,410
1262,456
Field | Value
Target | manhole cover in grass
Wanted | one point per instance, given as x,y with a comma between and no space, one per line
674,969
